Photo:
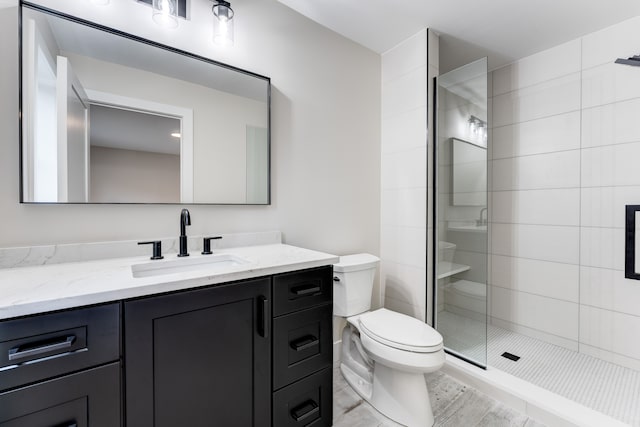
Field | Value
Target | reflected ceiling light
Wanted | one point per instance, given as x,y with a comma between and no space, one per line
100,2
176,135
222,23
165,13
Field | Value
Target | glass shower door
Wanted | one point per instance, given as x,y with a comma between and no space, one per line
461,252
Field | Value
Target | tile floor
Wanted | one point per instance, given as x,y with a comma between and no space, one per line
603,386
454,405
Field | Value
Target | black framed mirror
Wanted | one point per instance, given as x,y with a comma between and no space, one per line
109,117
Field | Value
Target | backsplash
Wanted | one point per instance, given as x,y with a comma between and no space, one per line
75,252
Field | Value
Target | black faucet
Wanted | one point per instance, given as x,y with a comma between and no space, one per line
185,219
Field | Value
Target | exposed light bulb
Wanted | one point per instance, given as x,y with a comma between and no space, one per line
165,13
222,23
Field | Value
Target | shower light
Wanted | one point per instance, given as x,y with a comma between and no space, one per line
165,13
222,23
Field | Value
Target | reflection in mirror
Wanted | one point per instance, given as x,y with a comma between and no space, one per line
461,214
469,169
111,118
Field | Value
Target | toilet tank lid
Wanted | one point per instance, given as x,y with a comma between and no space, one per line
355,263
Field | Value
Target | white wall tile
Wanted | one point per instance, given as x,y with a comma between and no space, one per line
611,165
405,308
542,171
602,247
608,289
615,123
546,135
544,314
405,283
542,242
405,93
542,207
616,41
608,330
535,69
404,207
404,169
571,344
549,279
405,57
605,206
618,359
608,83
404,245
552,97
404,131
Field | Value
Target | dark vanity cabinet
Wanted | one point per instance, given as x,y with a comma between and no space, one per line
61,369
302,348
200,357
256,352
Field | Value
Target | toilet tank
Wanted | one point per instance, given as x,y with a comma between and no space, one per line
353,284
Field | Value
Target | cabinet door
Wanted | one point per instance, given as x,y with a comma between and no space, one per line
67,401
199,358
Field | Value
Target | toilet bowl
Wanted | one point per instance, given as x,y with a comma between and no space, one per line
384,354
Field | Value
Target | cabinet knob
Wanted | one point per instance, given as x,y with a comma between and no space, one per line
157,248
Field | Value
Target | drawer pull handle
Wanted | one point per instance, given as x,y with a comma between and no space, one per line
305,410
306,290
27,350
263,321
304,343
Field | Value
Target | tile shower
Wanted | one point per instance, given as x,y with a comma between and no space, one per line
562,163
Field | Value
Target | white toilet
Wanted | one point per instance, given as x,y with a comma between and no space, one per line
384,354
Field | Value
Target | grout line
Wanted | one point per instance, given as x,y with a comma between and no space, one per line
565,113
538,295
563,76
547,153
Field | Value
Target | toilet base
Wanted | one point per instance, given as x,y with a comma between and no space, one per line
402,396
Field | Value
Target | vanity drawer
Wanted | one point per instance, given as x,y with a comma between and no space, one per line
71,400
302,289
302,344
307,402
44,346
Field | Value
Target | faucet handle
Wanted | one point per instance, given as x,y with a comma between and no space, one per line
206,244
157,248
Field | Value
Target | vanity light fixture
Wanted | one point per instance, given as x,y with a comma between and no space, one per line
222,23
477,128
165,13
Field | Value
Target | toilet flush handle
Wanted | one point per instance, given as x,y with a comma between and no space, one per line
336,279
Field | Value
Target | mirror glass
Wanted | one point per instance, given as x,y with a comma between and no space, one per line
469,173
111,118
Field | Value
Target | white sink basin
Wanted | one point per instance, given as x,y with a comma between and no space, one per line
215,263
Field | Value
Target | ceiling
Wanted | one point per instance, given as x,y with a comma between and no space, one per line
133,130
503,30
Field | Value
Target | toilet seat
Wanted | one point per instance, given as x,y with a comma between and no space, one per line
400,331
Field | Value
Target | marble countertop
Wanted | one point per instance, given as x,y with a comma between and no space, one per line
38,289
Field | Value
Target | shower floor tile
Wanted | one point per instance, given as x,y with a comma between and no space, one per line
454,405
589,381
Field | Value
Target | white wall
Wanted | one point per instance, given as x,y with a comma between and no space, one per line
565,163
403,208
325,134
118,175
